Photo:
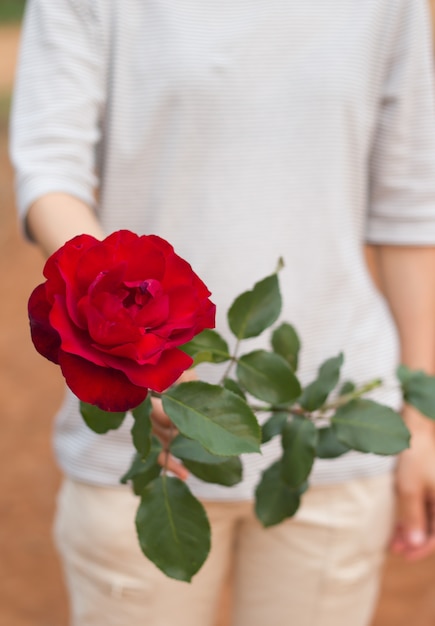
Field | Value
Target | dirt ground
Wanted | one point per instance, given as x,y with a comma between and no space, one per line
32,592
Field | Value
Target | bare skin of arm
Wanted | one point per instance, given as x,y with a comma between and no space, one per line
406,277
54,219
57,217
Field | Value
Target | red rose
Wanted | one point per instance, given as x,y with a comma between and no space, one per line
112,314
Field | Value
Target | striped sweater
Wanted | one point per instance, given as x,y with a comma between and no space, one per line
241,131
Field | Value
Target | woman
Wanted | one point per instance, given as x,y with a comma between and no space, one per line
242,131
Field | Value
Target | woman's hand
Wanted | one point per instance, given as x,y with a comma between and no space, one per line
414,535
165,431
406,277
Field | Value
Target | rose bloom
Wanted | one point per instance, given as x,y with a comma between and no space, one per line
112,314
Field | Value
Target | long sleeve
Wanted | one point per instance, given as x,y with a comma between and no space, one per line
402,183
58,101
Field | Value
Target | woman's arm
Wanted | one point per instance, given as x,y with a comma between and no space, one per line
55,218
407,279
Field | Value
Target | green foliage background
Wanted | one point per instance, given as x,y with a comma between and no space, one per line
11,10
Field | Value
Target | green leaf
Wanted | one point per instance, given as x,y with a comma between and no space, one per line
208,347
274,500
227,473
141,430
367,426
233,386
208,467
173,529
285,342
328,446
217,418
273,426
418,390
299,441
268,376
190,450
100,421
316,393
141,472
347,387
254,311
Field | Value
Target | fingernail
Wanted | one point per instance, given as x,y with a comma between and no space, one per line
416,538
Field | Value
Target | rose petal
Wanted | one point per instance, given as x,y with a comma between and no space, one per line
162,374
45,338
73,339
145,263
147,350
205,319
109,321
122,240
154,314
106,388
188,316
67,261
143,259
77,342
161,244
109,330
184,305
206,316
68,255
55,283
179,272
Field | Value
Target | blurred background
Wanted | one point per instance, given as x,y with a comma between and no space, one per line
31,591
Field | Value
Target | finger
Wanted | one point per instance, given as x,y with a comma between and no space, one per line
398,543
158,415
412,519
429,546
173,465
418,554
165,435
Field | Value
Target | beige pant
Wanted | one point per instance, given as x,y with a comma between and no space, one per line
319,569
